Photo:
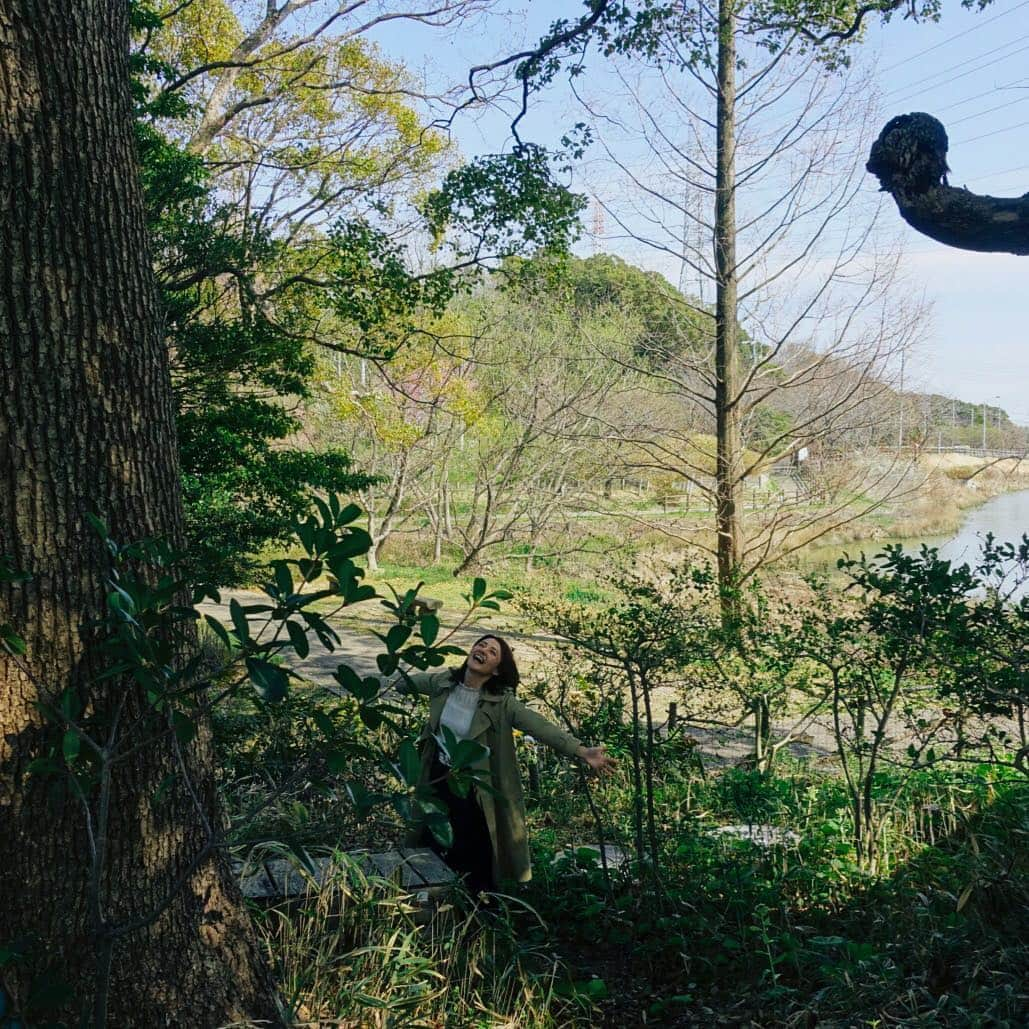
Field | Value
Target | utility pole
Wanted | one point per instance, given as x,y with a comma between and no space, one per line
900,399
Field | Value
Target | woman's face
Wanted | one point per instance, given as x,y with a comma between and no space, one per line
484,657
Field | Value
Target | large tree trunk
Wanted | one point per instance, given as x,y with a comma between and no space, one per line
87,425
727,358
910,161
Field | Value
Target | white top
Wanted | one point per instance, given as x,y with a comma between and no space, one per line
458,712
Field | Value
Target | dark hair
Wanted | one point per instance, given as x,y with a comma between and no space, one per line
506,676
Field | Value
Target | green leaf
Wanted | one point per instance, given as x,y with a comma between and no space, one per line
325,633
441,829
184,727
349,514
305,531
324,723
410,763
239,620
298,638
11,641
337,761
397,637
283,579
309,569
272,683
42,766
478,589
595,989
204,590
99,525
362,689
459,784
371,717
357,594
219,630
70,745
353,544
428,627
363,800
348,679
466,753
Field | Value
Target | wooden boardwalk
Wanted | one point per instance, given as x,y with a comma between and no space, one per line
418,872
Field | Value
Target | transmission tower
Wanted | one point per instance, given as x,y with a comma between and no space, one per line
692,280
598,225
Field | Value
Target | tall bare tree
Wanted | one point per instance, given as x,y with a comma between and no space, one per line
748,187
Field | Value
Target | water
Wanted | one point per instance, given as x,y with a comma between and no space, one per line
1006,516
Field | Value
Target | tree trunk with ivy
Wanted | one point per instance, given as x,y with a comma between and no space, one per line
87,426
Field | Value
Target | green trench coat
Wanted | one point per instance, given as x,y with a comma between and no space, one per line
495,718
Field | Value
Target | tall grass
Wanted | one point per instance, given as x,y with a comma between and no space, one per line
356,954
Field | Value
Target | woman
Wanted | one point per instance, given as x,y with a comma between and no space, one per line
477,702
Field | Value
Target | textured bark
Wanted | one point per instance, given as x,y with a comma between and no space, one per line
910,161
729,456
86,425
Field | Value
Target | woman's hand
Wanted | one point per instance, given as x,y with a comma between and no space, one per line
597,759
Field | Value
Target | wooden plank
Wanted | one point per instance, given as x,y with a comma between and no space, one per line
294,880
430,867
363,860
391,864
417,871
256,885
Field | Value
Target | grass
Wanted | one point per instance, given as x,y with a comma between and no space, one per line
354,955
797,935
739,934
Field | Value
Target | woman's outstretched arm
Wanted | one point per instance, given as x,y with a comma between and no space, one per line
597,759
556,738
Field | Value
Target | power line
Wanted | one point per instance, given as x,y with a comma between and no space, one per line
989,110
986,92
945,73
990,51
958,35
1006,171
996,132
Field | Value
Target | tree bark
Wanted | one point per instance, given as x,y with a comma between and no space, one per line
910,161
87,425
727,375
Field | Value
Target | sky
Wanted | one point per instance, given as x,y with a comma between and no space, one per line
971,70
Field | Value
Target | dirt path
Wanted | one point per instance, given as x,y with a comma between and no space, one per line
359,648
718,745
359,645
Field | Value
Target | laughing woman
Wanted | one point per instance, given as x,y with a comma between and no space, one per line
477,702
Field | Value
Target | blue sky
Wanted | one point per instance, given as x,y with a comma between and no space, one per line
971,70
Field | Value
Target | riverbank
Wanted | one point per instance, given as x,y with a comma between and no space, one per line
934,503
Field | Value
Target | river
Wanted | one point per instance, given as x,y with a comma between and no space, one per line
1006,516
